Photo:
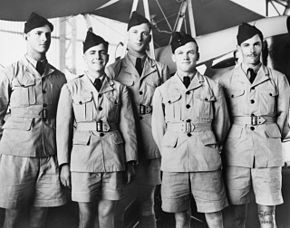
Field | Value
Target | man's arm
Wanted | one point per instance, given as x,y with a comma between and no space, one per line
64,125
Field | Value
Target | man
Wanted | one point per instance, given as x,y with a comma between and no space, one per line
103,144
189,124
142,75
258,98
28,167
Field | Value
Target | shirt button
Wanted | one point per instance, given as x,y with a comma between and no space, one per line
44,105
140,117
140,92
102,134
100,108
189,134
188,120
187,106
252,128
187,92
43,91
206,99
80,102
100,95
252,101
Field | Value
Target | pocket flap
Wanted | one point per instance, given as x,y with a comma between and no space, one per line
84,98
24,81
81,138
271,93
208,138
272,131
237,93
235,131
169,140
18,123
173,98
127,82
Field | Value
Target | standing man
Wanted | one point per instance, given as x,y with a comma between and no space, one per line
29,172
258,98
189,125
142,75
103,143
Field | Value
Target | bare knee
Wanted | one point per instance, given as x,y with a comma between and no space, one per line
182,219
266,216
214,220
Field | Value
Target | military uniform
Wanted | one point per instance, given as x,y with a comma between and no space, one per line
259,116
104,138
29,130
189,125
141,88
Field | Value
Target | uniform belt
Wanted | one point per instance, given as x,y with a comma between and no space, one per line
42,113
187,127
254,120
145,109
98,126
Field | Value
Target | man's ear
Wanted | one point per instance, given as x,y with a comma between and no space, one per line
173,58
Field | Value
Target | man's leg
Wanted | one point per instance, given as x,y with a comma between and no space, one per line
86,215
266,216
214,220
12,218
38,217
182,219
145,199
106,212
240,215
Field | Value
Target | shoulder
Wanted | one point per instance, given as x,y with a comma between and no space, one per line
113,69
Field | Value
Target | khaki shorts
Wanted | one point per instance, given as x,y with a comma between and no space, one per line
148,172
24,179
207,189
266,183
90,187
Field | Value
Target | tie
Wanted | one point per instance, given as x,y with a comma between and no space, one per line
98,84
252,74
186,81
40,67
138,65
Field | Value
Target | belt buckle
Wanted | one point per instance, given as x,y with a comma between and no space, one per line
189,127
254,120
142,109
106,127
99,126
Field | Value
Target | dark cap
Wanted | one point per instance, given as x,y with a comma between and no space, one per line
137,19
36,21
93,40
180,39
246,32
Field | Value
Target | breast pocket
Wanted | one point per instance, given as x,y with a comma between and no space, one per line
23,91
204,106
83,107
113,106
237,99
267,100
173,107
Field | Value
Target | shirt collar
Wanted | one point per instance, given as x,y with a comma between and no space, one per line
33,61
92,79
255,68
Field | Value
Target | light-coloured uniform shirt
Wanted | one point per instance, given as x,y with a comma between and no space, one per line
141,88
256,141
29,129
87,147
190,124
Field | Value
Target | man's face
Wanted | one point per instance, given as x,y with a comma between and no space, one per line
185,57
251,50
139,37
96,58
39,39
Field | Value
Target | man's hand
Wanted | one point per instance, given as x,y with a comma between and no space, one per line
65,175
131,171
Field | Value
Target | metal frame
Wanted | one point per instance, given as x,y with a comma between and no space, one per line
284,3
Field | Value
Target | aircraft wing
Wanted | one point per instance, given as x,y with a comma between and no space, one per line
17,10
